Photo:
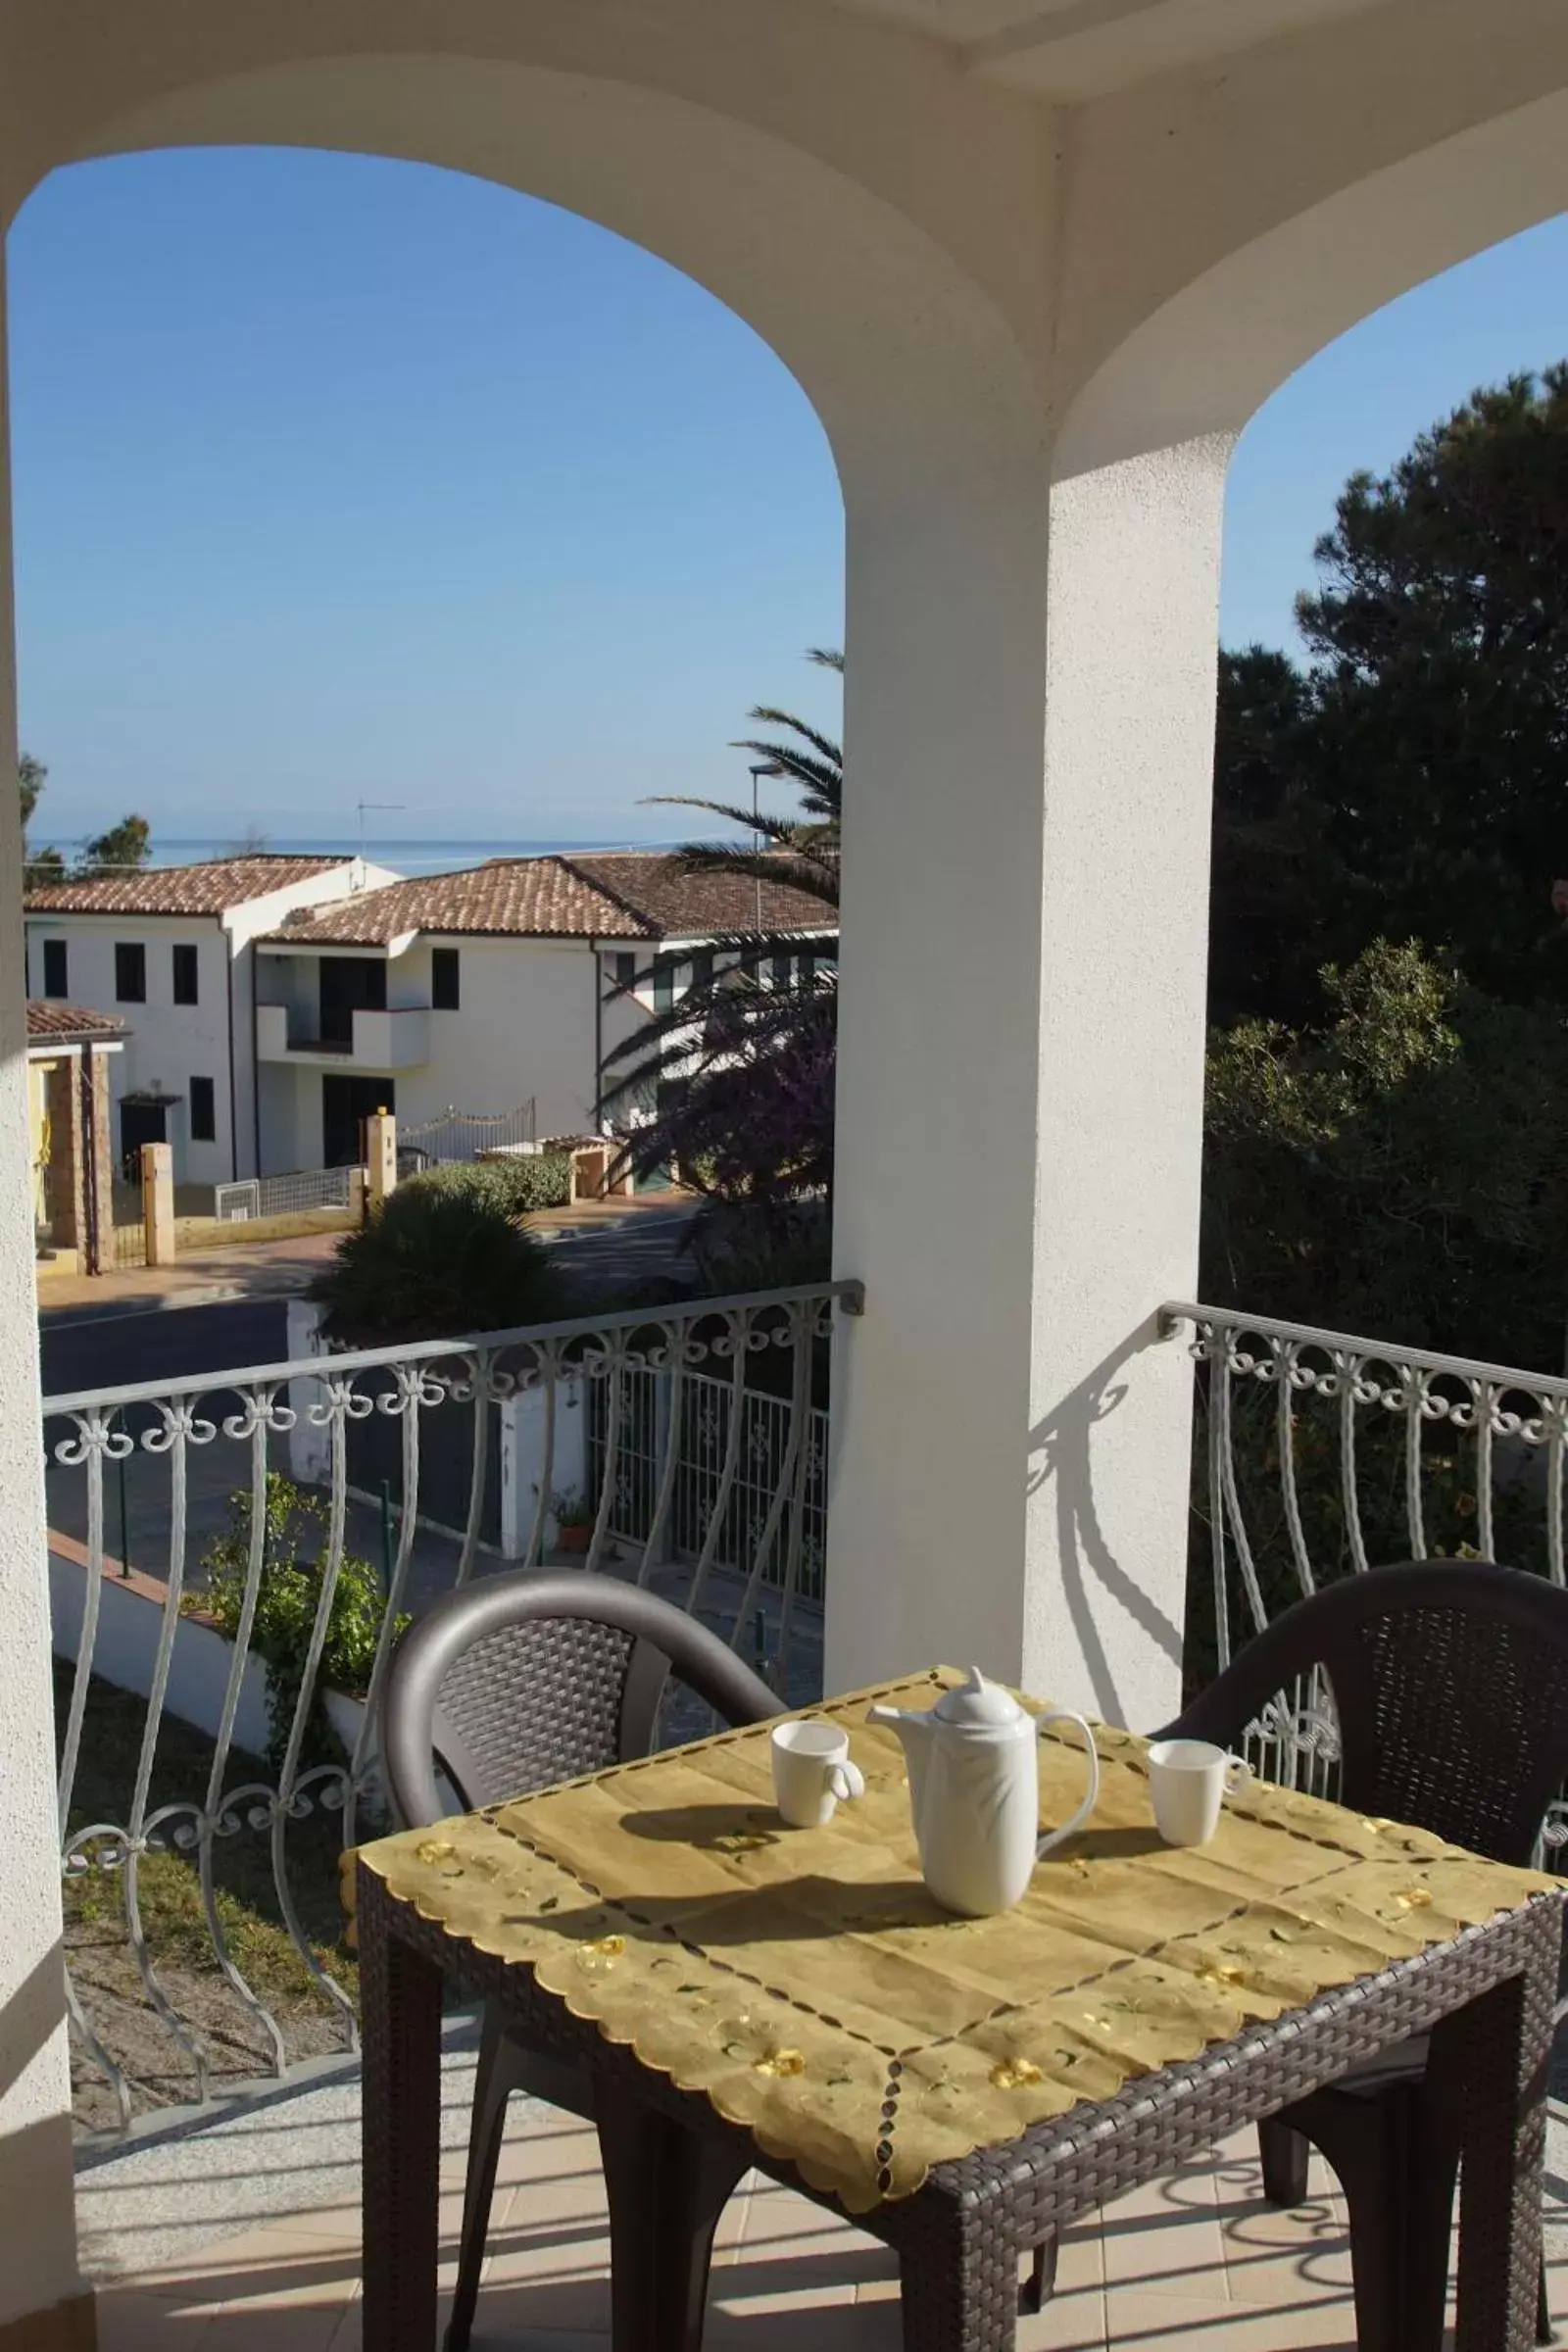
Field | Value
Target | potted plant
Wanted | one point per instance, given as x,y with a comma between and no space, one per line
575,1516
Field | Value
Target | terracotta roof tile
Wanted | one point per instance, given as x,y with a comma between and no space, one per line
46,1018
206,889
685,906
622,894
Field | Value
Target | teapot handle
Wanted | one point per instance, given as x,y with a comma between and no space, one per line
1091,1792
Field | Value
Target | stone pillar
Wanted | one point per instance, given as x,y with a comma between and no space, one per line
96,1199
63,1175
40,2282
382,1157
1029,719
158,1203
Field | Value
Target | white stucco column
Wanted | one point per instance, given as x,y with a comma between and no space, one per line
37,2213
1029,748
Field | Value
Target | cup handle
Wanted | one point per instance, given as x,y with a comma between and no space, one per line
1237,1775
846,1780
1091,1792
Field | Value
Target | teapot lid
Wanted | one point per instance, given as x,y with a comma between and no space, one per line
977,1705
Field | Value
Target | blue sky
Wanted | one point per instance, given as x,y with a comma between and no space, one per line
341,478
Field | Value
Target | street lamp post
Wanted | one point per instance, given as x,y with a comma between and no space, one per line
762,768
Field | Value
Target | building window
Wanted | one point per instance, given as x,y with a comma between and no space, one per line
131,972
185,989
781,971
203,1111
805,969
444,991
663,985
623,970
55,968
703,968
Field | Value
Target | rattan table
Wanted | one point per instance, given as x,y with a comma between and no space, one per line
1485,1994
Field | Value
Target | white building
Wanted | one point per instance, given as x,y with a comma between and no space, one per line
170,948
483,991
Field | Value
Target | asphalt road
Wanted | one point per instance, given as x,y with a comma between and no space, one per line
169,1343
166,1345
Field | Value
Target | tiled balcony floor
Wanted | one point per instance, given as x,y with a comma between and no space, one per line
1194,2261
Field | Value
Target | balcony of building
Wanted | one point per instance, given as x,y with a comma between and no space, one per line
688,1445
364,1037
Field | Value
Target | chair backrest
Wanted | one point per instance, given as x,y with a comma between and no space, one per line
533,1677
1449,1680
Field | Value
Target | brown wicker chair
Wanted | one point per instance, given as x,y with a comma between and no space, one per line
513,1682
1450,1682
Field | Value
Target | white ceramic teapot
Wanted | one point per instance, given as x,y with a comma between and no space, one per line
974,1792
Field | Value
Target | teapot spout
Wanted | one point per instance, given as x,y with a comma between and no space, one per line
898,1717
914,1725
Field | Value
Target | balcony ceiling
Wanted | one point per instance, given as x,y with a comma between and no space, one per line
1082,48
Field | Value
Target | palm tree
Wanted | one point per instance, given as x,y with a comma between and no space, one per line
738,1077
803,851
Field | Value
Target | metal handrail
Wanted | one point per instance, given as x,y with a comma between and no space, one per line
442,1409
847,1296
1175,1314
1416,1453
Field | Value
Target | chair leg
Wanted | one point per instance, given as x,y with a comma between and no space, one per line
667,2187
1367,2144
493,2086
1285,2155
1041,2284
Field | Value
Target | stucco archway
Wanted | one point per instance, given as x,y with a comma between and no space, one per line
1031,332
1206,359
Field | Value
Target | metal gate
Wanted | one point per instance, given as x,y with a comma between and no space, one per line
464,1134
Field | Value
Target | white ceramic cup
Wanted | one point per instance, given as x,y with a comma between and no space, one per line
813,1772
1187,1778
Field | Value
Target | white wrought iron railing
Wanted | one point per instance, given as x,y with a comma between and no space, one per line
1319,1454
696,1520
208,1776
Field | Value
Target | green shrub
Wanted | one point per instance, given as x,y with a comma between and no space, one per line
437,1263
293,1550
738,1247
571,1509
529,1181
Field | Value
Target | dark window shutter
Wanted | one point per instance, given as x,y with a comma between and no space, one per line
131,972
445,983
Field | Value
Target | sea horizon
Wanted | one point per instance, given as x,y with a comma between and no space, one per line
417,855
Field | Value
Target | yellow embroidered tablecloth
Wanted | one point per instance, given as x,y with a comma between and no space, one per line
806,1984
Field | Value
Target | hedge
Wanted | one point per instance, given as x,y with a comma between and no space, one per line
530,1180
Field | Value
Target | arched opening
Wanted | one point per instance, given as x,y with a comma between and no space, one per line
1386,929
343,479
355,485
